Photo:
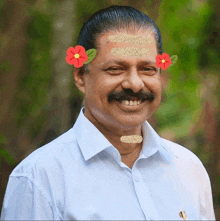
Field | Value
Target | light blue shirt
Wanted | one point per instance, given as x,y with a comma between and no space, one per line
80,176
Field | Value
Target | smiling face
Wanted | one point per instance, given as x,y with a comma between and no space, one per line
114,78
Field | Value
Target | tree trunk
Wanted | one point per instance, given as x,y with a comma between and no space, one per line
13,43
63,77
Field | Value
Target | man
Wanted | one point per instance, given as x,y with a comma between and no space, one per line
112,165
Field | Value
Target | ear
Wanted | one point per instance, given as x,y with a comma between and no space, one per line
78,76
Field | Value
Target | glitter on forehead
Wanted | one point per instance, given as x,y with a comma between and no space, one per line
131,139
130,51
141,40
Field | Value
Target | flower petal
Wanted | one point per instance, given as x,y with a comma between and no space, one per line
70,60
78,63
79,49
81,61
70,51
168,62
158,63
158,60
166,65
158,57
84,56
165,56
163,66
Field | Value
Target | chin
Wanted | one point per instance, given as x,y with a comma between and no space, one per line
131,121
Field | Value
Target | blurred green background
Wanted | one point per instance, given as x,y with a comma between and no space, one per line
39,100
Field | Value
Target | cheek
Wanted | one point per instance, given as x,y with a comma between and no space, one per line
158,92
97,90
154,85
159,87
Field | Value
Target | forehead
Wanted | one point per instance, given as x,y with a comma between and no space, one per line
132,39
121,44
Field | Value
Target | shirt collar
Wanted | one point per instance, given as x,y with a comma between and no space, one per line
91,141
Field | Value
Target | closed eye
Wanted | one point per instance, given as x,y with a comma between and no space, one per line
114,69
119,70
149,70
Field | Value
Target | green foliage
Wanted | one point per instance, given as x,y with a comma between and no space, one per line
4,154
2,15
91,53
186,40
36,126
5,66
35,84
173,59
89,7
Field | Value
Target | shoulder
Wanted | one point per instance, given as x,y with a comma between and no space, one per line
186,159
180,151
49,167
49,156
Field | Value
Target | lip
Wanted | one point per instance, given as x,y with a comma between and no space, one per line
133,108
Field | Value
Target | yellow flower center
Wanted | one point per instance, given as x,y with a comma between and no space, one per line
163,61
76,55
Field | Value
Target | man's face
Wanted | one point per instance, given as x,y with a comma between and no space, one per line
116,75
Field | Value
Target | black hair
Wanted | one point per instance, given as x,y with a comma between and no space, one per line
116,18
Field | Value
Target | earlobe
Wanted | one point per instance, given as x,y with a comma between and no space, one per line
78,79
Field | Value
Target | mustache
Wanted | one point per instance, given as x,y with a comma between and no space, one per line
123,95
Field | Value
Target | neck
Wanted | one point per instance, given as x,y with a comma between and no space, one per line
114,135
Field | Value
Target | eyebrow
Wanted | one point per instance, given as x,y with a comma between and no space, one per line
127,63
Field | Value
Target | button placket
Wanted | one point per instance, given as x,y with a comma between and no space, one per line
144,198
137,178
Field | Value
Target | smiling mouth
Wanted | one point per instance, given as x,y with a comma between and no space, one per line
131,102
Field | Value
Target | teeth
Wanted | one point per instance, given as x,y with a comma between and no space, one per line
130,103
126,102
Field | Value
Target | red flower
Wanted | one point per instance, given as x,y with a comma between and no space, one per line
76,56
163,61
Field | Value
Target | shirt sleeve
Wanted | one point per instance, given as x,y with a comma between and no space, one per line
206,200
24,200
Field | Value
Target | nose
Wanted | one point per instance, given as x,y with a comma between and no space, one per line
133,81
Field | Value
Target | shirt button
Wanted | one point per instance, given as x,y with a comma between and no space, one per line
137,178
